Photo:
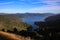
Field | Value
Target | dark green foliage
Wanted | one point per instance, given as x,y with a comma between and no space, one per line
50,29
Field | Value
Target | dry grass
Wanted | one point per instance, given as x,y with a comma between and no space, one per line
10,36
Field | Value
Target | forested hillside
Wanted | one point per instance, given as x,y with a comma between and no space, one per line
8,22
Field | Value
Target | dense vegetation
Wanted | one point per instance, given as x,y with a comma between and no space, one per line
48,29
8,22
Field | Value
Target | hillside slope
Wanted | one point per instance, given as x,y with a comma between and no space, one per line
8,22
10,36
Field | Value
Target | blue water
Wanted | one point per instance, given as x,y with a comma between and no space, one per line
31,20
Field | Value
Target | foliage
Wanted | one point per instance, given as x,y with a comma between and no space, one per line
9,22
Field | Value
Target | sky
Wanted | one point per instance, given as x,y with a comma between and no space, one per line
31,6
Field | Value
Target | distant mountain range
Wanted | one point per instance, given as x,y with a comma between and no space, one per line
32,14
29,14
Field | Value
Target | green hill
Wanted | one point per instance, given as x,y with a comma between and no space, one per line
8,22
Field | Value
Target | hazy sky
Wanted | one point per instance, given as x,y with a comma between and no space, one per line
33,6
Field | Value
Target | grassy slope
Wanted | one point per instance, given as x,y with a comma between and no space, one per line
8,22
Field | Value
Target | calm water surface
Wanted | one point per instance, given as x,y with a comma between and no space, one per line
31,20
